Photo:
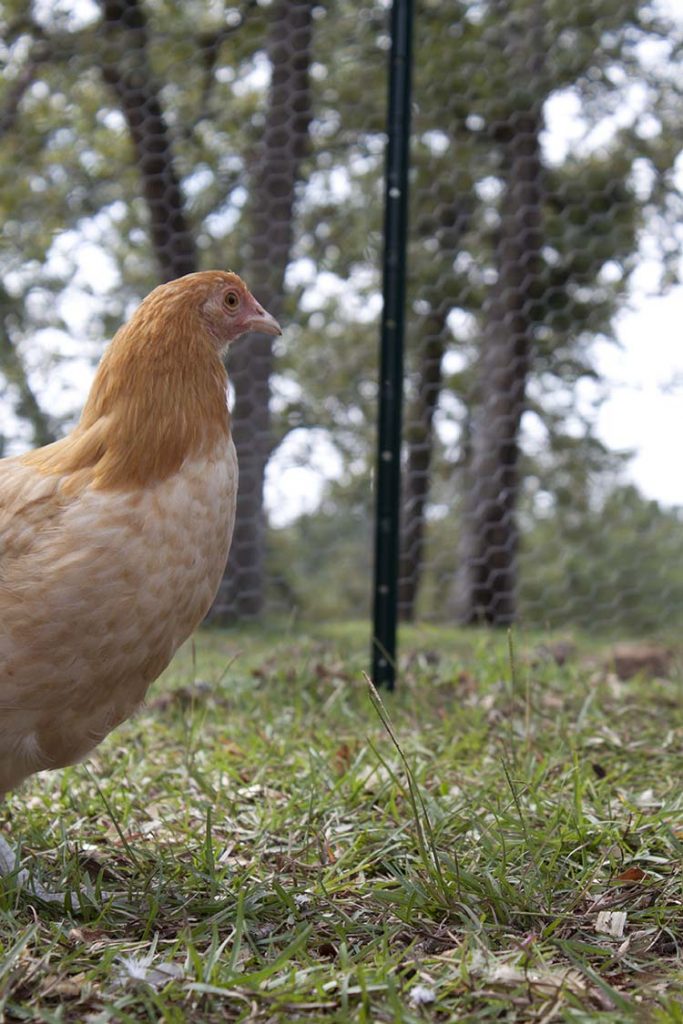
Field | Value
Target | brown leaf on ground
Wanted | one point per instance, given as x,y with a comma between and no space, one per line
327,950
342,759
327,853
54,987
631,875
467,683
89,936
334,672
231,749
651,660
561,651
184,697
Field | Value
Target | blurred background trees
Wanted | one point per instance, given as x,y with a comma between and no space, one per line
143,139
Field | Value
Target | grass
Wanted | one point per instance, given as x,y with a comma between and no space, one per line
500,840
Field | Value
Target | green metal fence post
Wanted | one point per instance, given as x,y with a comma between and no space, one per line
388,478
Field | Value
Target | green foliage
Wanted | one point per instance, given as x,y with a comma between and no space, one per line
594,559
320,562
615,564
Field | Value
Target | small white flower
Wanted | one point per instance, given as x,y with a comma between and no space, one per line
135,967
139,969
422,995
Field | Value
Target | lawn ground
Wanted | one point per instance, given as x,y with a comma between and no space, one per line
261,849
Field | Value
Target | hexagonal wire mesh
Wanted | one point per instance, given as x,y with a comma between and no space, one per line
545,176
144,139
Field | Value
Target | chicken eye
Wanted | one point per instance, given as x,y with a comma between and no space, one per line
232,300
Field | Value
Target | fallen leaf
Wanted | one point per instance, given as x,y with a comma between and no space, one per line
327,854
546,981
560,652
611,922
647,799
632,874
342,759
373,777
64,988
184,696
257,791
649,660
87,936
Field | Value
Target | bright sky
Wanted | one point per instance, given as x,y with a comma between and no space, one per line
644,411
644,372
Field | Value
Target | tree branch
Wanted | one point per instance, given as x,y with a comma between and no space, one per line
15,94
28,407
127,69
210,44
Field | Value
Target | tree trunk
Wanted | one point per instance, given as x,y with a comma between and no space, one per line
419,436
446,224
14,372
126,67
272,199
487,579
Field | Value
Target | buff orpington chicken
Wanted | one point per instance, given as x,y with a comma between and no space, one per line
114,539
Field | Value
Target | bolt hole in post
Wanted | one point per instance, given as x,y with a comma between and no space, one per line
388,478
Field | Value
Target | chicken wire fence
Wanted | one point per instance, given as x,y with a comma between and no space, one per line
144,139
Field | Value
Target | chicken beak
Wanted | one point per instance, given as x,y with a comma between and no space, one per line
263,322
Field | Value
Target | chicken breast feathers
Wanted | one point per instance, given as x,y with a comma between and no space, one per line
97,591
